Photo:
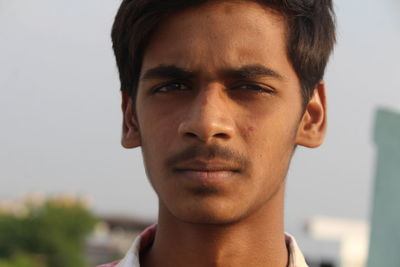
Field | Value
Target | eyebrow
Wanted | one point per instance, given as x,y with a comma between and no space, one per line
251,72
168,72
244,72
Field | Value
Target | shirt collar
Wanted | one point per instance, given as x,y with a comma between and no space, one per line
145,239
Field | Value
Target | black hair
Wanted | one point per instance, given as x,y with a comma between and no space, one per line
310,36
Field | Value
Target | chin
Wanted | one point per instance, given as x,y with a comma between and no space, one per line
207,211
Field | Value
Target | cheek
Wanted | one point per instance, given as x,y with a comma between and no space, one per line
248,132
250,129
269,140
158,138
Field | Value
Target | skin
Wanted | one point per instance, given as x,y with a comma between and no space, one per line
218,114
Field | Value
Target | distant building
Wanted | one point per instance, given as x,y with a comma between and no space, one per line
385,234
112,237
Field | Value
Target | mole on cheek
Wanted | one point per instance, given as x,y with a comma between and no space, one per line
249,130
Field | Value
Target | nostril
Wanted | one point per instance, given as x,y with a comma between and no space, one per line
221,135
189,134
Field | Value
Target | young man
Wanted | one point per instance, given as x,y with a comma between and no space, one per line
218,94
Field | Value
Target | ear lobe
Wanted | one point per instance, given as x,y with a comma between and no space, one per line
130,130
312,128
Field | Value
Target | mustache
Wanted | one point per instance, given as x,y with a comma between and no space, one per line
208,153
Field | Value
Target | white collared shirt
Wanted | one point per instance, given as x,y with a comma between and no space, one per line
145,239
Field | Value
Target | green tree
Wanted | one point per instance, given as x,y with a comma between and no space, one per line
52,234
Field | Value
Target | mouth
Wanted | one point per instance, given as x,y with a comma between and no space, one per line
204,171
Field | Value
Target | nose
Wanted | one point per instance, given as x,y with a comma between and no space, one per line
208,117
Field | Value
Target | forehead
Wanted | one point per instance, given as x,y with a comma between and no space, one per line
220,34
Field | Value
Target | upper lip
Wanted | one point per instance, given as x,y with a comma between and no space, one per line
207,166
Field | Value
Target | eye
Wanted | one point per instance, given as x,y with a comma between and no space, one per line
255,88
169,87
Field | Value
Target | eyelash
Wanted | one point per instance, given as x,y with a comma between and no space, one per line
159,88
257,88
249,86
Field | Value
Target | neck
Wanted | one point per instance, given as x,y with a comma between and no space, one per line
258,240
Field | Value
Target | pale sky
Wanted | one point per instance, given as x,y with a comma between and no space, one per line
60,112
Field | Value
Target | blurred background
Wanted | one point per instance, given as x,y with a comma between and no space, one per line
60,124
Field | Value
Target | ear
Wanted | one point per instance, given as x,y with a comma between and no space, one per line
130,130
312,128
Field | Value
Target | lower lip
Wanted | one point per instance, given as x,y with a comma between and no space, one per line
207,176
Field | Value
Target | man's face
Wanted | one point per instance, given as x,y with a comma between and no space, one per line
218,109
